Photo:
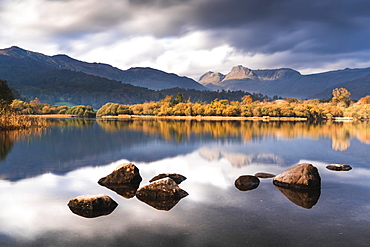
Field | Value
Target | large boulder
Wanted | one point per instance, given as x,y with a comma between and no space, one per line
126,173
301,176
178,178
246,182
162,194
90,206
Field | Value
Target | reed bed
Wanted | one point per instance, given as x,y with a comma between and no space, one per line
10,120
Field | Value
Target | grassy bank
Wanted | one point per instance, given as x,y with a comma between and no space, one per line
9,120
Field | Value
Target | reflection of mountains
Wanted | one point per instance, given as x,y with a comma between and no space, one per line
339,133
239,159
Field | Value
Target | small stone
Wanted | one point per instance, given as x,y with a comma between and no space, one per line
178,178
264,175
247,182
339,167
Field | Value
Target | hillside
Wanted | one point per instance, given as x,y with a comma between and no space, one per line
28,62
287,82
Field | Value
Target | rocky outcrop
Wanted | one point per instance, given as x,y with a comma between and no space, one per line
124,174
211,77
90,206
264,175
178,178
247,182
303,198
162,194
301,176
339,167
240,72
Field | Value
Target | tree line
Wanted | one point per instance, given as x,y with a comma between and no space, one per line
248,105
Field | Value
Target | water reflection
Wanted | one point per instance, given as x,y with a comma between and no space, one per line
239,159
74,143
339,133
303,198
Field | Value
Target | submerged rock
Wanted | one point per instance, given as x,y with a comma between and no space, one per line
162,194
247,182
91,206
264,175
339,167
303,198
301,176
178,178
126,173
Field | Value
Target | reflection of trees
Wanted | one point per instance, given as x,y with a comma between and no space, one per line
339,133
8,138
6,144
79,122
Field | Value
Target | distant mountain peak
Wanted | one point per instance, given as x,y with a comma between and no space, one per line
240,72
211,77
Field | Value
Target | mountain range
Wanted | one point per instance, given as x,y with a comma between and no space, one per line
142,77
286,82
62,78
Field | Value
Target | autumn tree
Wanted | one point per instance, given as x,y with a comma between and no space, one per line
246,100
341,97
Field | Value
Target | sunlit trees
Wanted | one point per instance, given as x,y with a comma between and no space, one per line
341,97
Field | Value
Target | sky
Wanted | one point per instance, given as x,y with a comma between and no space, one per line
191,37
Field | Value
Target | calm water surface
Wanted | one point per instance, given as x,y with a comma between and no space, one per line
41,171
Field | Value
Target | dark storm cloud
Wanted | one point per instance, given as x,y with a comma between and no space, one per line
270,26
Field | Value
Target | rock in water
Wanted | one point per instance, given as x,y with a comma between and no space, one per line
90,206
178,178
247,182
162,194
301,176
124,174
264,175
339,167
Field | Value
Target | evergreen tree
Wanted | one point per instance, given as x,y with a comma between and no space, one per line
6,95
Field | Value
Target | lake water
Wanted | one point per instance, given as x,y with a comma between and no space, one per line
41,171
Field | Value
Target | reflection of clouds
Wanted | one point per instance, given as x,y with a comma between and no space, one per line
240,159
39,205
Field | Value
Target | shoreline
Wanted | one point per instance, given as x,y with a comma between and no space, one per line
206,118
202,118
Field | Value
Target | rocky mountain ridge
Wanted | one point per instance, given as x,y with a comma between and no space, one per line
287,82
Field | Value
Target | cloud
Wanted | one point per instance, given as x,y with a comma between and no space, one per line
182,36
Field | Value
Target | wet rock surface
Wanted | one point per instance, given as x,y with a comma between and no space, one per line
91,206
162,194
339,167
246,182
301,176
126,173
178,178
